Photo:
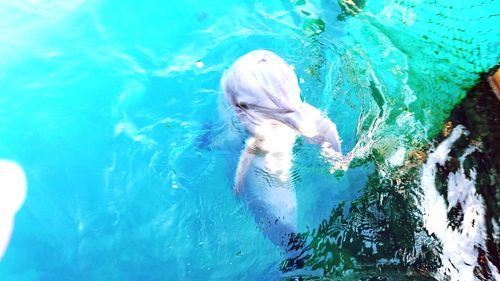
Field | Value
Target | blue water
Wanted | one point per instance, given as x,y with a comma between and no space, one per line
112,110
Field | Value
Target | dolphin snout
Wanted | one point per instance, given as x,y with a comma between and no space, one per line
298,121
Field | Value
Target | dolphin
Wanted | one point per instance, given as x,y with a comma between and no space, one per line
264,93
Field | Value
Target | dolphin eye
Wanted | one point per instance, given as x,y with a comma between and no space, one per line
243,105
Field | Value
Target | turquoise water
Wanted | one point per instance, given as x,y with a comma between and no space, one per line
112,109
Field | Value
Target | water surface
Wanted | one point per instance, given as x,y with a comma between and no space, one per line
113,110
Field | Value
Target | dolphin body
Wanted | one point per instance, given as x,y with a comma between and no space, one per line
264,92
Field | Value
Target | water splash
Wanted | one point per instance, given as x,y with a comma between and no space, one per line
463,241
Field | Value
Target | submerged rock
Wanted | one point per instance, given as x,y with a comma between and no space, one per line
351,7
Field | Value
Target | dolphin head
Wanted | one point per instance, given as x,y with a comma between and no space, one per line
261,86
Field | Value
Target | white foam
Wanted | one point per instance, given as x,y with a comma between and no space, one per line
398,158
460,245
12,195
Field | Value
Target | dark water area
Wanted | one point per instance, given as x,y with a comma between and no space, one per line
383,238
